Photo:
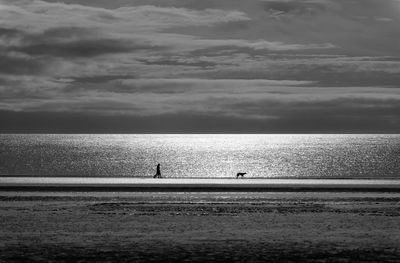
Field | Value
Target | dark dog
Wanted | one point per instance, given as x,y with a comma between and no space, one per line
240,174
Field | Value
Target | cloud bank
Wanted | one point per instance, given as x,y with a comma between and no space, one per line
320,65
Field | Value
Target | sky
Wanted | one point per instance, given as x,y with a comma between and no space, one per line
200,66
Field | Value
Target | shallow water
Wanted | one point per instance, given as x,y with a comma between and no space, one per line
289,156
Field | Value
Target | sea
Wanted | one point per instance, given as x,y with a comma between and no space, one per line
201,155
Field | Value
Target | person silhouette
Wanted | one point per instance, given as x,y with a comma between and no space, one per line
158,173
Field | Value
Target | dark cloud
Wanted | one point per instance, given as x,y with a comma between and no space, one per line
56,122
179,62
22,65
81,48
99,79
351,108
9,32
73,42
181,86
65,33
323,70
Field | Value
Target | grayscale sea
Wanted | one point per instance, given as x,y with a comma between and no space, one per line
210,156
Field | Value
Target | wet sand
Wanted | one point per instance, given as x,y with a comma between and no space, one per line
199,227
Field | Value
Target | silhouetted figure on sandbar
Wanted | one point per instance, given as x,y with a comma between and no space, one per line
158,173
240,174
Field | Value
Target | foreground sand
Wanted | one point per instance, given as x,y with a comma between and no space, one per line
199,227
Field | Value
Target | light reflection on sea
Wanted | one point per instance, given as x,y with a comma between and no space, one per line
317,156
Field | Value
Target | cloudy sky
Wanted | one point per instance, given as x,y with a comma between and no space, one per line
194,66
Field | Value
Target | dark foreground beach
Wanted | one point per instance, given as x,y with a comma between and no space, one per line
199,226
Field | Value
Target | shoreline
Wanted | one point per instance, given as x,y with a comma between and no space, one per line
196,184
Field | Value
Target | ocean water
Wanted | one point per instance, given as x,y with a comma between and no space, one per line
219,156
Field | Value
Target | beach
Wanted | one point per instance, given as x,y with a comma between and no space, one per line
90,226
199,131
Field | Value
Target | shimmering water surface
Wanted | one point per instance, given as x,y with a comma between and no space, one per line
320,156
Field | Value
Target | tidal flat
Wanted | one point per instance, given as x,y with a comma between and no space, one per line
199,227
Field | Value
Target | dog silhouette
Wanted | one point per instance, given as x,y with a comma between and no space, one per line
240,174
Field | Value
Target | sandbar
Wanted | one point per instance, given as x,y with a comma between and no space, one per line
195,184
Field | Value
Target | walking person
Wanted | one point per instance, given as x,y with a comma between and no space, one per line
158,173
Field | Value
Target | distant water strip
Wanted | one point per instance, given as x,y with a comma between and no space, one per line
201,156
